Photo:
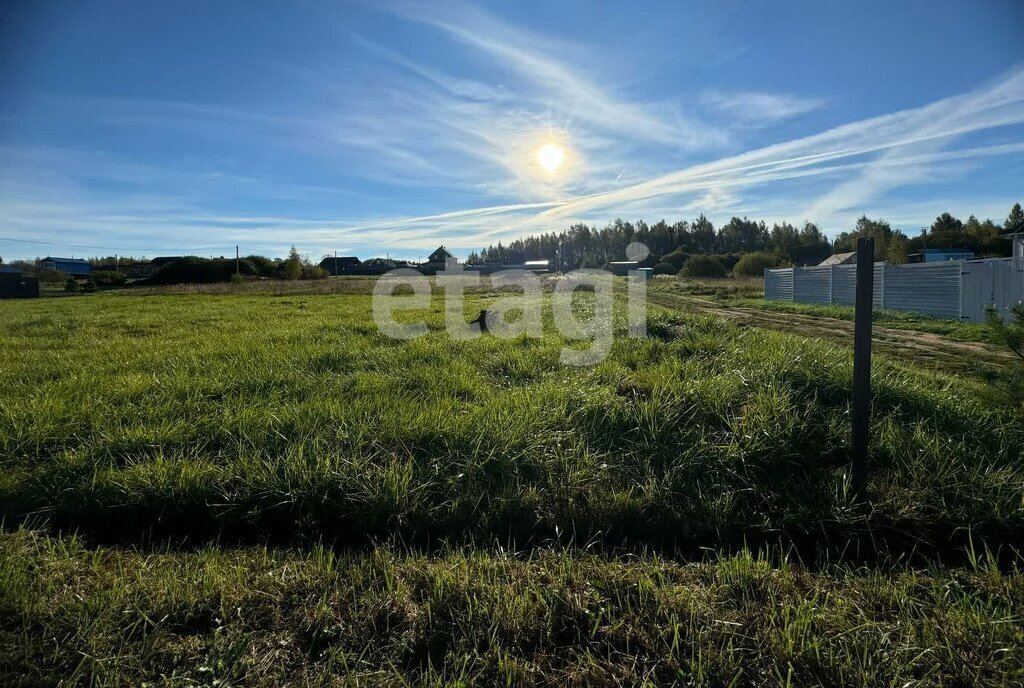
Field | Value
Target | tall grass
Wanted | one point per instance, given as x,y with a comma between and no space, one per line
85,616
291,418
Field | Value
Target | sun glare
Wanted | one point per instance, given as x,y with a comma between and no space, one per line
550,156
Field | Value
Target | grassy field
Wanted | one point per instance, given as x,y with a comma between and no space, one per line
553,617
441,510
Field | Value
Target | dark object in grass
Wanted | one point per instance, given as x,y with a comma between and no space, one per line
481,319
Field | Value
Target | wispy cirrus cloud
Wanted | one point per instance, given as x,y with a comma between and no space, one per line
461,143
521,52
862,158
759,108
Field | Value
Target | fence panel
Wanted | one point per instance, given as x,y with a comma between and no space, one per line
929,288
844,285
778,284
1010,285
995,282
813,285
959,290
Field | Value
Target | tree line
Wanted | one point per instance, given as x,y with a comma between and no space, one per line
672,244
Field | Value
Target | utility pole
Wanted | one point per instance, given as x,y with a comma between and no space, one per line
861,412
238,269
335,262
924,245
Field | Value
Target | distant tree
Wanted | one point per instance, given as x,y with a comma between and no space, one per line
660,238
704,237
293,264
784,237
703,266
742,235
947,231
983,237
880,230
896,251
810,235
1015,218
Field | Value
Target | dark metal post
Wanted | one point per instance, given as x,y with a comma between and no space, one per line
861,412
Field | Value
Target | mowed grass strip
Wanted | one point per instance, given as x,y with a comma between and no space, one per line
267,617
292,418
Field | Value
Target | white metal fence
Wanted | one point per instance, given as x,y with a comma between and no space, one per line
956,289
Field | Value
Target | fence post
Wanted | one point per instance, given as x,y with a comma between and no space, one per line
861,412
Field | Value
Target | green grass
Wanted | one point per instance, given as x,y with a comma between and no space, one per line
266,490
719,289
96,616
225,416
962,331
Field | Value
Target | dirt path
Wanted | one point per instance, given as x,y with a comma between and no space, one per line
928,350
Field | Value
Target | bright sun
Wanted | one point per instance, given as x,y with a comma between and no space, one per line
550,156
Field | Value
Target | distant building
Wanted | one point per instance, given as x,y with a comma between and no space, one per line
932,255
1016,235
70,266
380,264
338,265
622,267
840,259
14,285
440,259
535,266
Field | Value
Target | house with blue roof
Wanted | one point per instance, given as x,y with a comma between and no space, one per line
933,255
70,266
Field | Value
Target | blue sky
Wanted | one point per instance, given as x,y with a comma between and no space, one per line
392,127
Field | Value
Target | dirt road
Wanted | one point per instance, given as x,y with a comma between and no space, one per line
928,350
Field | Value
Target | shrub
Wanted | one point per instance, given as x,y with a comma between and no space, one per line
52,276
72,287
313,272
754,264
88,286
703,266
263,266
107,278
1008,378
728,260
664,268
193,270
676,258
